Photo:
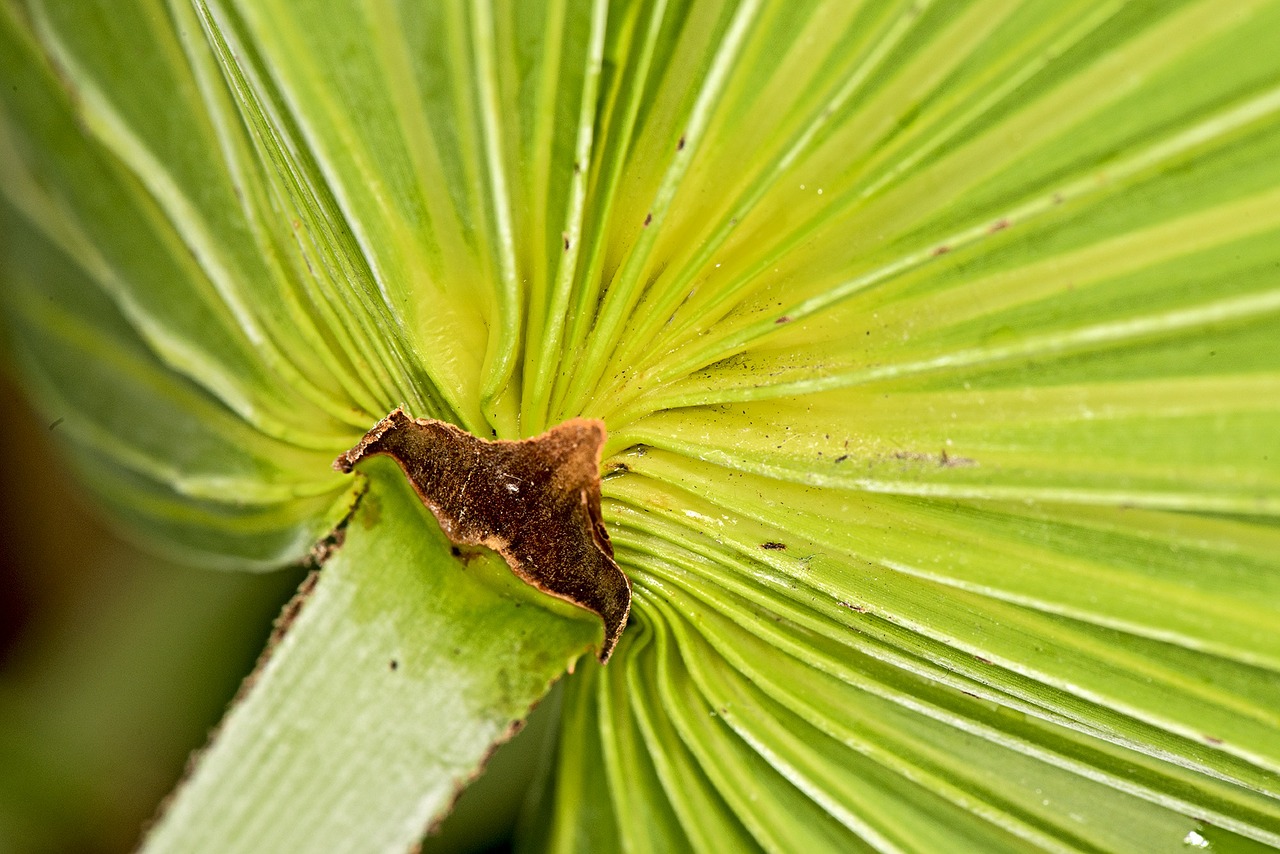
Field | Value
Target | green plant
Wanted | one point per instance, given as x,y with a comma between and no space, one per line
937,344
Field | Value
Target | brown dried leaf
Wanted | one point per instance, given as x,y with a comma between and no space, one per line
536,502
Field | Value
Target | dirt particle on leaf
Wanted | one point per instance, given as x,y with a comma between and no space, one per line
783,319
942,459
648,218
56,422
466,554
616,470
680,144
394,665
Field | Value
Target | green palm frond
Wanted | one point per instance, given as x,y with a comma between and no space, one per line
938,345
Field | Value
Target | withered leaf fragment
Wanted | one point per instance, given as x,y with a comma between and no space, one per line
536,502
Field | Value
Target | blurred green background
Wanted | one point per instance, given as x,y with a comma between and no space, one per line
113,664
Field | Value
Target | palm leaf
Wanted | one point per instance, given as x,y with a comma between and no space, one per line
937,343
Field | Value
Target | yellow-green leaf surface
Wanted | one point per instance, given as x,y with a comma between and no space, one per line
938,344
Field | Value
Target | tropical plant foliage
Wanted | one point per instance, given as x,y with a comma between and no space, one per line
938,343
